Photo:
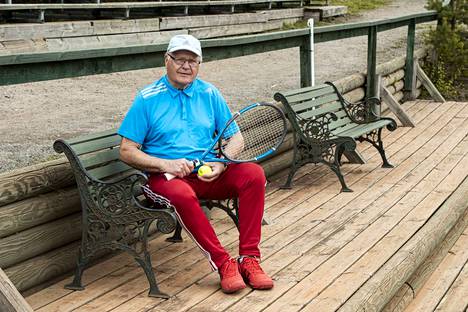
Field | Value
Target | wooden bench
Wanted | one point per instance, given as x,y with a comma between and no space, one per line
326,125
115,214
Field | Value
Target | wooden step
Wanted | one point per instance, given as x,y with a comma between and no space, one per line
447,287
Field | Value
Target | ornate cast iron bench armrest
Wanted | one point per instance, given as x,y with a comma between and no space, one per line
114,213
361,112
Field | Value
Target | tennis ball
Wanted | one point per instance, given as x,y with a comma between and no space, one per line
204,170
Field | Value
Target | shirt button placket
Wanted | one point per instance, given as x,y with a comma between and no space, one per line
183,105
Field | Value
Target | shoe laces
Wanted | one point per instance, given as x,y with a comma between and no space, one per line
251,265
229,268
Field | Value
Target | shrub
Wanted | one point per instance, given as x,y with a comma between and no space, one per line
448,58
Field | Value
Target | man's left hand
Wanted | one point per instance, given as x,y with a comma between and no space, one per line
216,169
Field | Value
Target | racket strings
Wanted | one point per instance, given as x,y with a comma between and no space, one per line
253,133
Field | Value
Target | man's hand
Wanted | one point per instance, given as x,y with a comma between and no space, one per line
216,167
178,167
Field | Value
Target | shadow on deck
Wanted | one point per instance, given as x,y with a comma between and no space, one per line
326,250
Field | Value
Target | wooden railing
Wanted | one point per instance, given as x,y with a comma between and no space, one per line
39,66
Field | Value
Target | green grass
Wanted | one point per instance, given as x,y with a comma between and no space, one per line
296,25
355,6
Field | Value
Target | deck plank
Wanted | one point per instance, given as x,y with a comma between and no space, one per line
322,245
455,299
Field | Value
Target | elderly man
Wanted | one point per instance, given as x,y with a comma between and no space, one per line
171,122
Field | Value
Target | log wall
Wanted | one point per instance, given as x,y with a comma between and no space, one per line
40,208
59,36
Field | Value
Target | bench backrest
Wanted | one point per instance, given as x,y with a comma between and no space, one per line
97,154
312,103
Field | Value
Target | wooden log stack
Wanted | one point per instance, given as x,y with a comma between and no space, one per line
40,208
60,36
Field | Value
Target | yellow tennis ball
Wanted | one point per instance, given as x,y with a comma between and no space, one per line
204,170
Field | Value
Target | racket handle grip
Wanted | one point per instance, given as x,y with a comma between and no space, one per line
169,176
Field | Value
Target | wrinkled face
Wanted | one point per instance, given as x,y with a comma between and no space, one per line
182,68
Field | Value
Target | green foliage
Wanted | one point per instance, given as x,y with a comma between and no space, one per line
448,59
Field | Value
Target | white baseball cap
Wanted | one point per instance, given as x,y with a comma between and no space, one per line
185,42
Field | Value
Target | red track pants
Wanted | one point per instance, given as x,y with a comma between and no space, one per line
245,181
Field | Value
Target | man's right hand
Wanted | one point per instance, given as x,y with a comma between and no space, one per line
178,167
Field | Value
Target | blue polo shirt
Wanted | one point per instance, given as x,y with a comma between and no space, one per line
171,123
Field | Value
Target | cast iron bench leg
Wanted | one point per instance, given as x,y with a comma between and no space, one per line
292,170
336,169
378,144
177,237
146,265
80,266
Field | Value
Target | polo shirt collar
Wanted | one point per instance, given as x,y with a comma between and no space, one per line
174,91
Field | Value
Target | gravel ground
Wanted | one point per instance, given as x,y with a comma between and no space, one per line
35,114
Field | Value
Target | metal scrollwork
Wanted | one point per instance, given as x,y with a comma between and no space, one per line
329,153
372,137
166,223
317,128
113,199
357,112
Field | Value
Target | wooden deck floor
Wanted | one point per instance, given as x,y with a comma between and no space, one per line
321,245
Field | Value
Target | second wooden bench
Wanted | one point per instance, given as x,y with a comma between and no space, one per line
326,125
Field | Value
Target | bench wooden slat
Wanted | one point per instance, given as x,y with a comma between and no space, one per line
320,111
341,114
92,136
316,102
101,158
341,122
338,131
310,94
360,129
109,170
96,145
290,94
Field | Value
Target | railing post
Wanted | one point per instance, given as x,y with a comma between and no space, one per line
409,64
310,23
305,62
371,89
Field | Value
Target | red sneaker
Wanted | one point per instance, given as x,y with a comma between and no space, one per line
253,274
231,280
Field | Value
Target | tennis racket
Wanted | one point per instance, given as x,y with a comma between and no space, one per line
253,133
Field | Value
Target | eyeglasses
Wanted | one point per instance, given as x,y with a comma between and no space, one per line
181,61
